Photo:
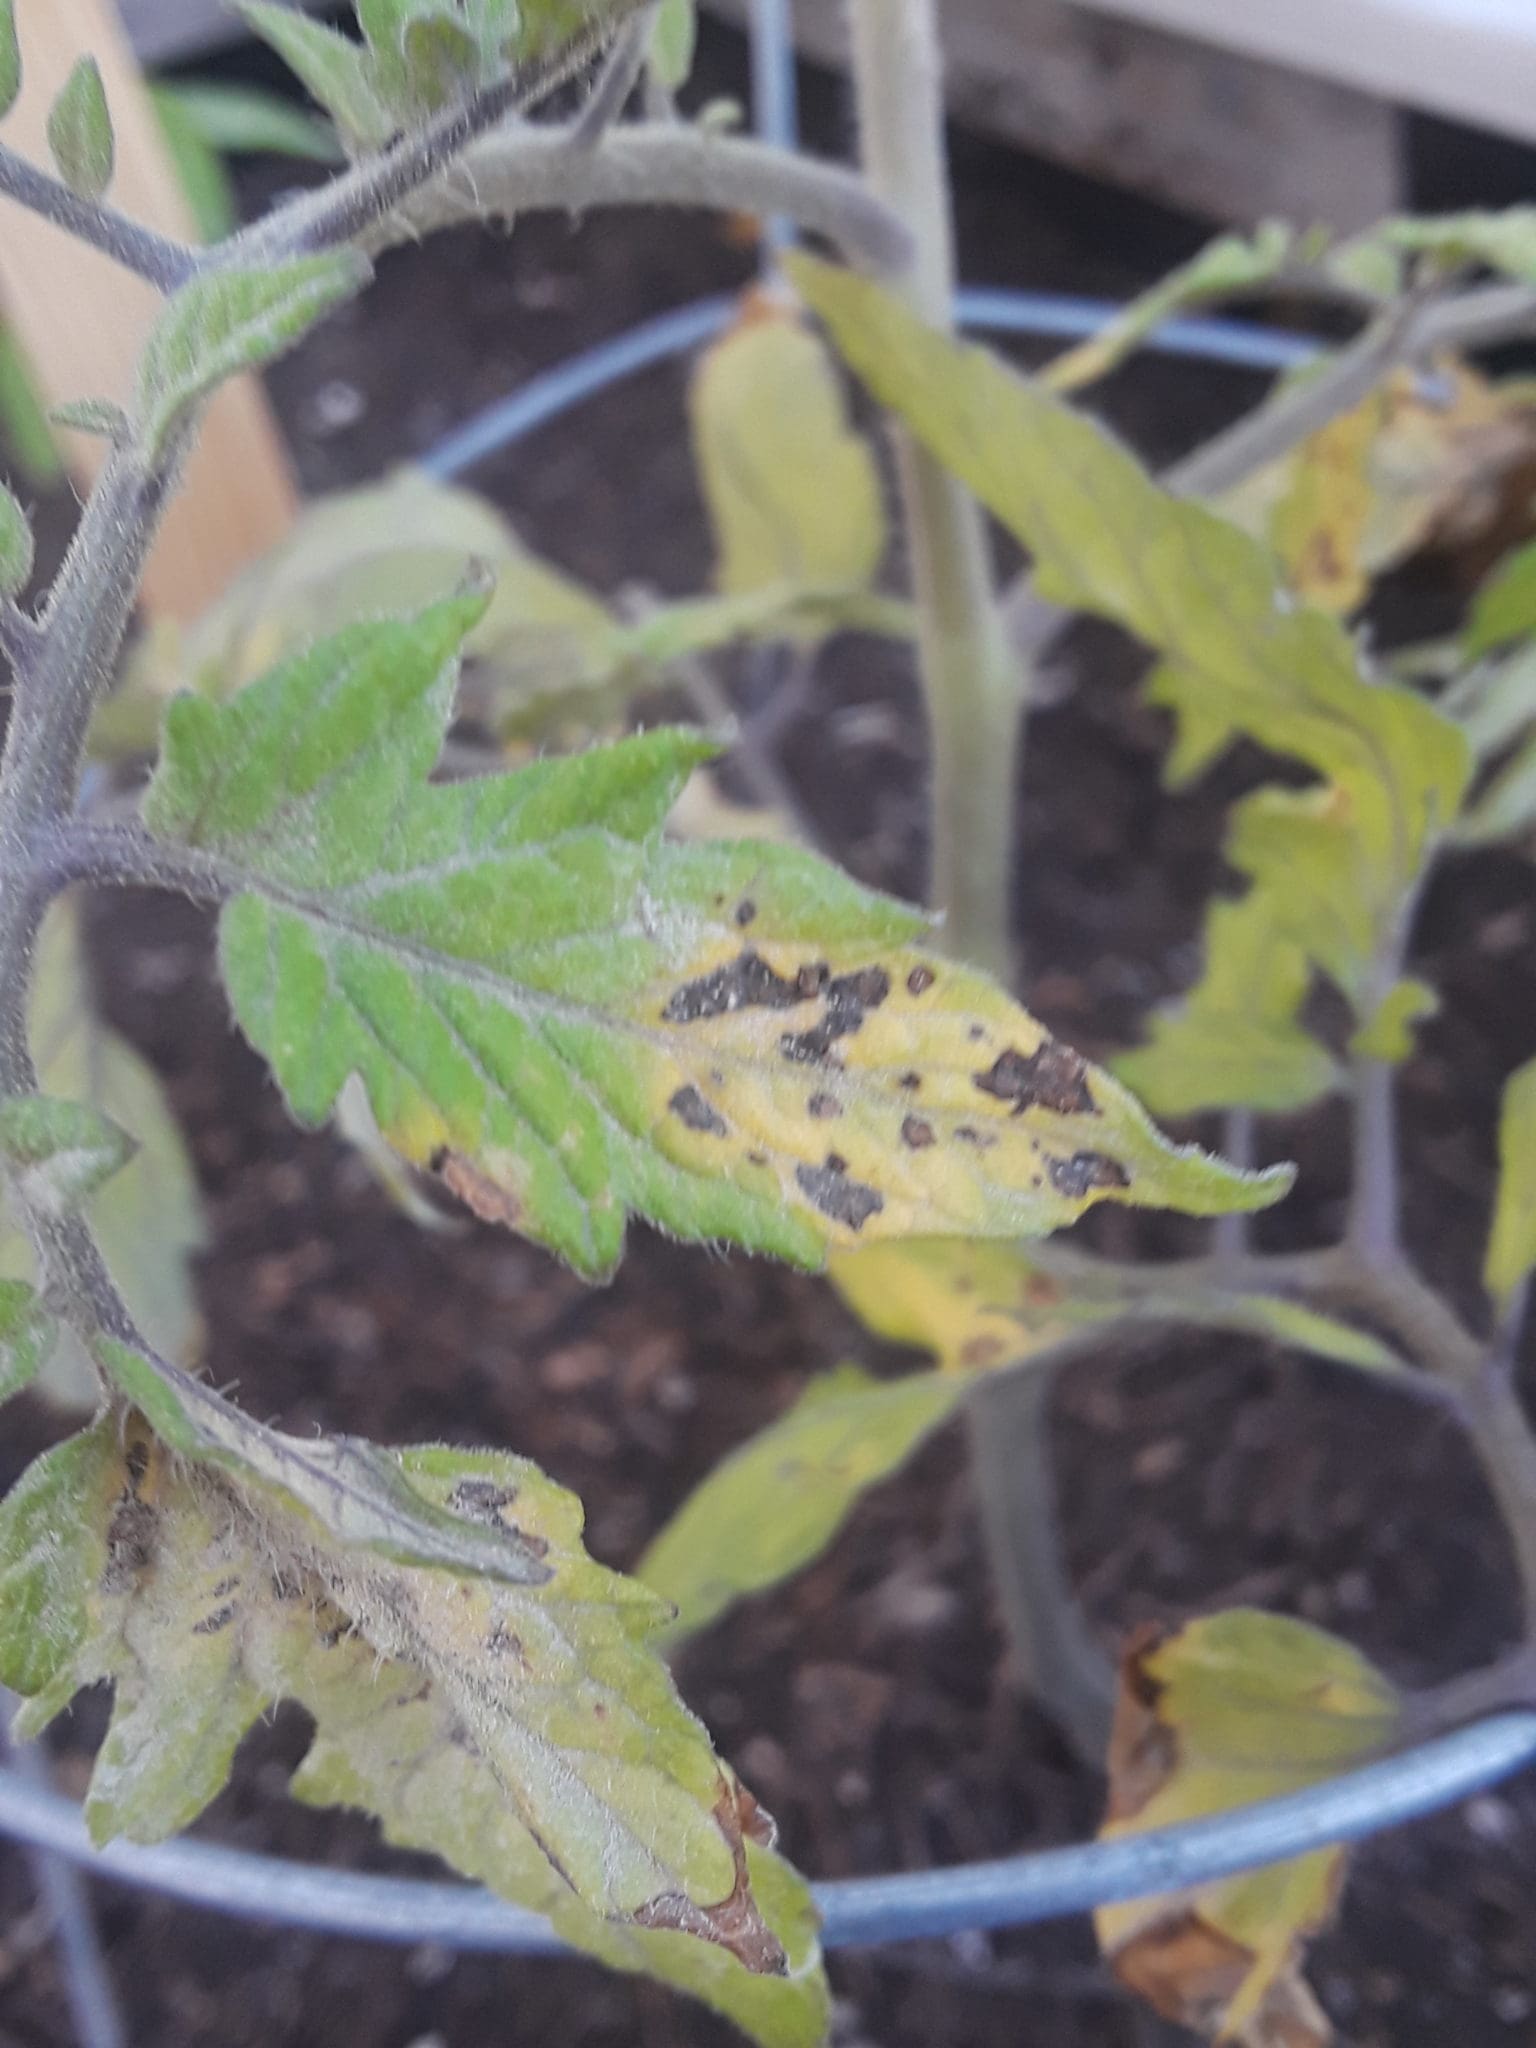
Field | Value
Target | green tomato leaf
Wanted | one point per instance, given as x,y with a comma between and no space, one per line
92,416
10,57
1504,609
56,1153
235,320
147,1218
1207,597
774,1505
793,492
27,1335
1224,269
1240,1707
205,183
527,1731
80,131
1236,1040
242,120
1506,809
673,37
1391,1033
570,1018
336,72
1512,1242
16,546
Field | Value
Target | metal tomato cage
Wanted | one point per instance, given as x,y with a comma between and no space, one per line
1014,1891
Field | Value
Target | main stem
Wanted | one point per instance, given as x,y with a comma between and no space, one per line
971,680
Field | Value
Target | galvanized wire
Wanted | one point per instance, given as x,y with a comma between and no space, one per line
1011,1891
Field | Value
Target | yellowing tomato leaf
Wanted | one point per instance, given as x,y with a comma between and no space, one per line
518,1724
1238,1708
570,1018
793,492
774,1505
147,1217
1207,597
1512,1243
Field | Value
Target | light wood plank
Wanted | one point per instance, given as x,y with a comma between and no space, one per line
81,320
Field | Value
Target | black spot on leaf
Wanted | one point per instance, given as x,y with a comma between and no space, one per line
920,980
824,1106
745,983
846,1201
1084,1171
213,1624
849,1000
746,910
1053,1077
916,1134
690,1106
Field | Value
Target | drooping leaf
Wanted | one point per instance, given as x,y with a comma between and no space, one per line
524,1729
10,57
27,1335
54,1153
1504,609
80,131
1422,460
1236,1040
242,120
228,321
570,1018
1204,595
775,1504
990,1307
1224,269
335,71
793,491
146,1218
673,38
16,546
1512,1241
1238,1708
98,416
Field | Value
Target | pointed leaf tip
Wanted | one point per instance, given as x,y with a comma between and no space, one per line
80,132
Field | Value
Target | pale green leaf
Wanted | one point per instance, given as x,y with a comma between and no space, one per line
242,120
570,1018
200,171
1224,269
1506,809
1504,609
146,1218
1391,1033
80,131
1501,241
1512,1241
32,452
442,62
92,416
793,492
774,1505
16,546
27,1335
529,1733
1236,1708
335,71
672,43
235,320
55,1153
10,57
1236,1040
1204,595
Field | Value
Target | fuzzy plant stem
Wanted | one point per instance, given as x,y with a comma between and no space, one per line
971,680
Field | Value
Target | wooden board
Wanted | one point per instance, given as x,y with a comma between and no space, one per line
81,320
1177,119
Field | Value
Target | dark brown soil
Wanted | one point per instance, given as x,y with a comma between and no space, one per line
868,1703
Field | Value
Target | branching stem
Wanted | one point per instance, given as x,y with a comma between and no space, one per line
166,264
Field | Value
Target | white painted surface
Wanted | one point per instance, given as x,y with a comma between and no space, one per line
1472,59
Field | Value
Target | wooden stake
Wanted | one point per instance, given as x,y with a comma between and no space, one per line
81,320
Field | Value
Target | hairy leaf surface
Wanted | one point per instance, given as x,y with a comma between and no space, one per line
1241,1707
80,131
775,1504
335,71
235,320
16,545
570,1019
525,1730
27,1335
